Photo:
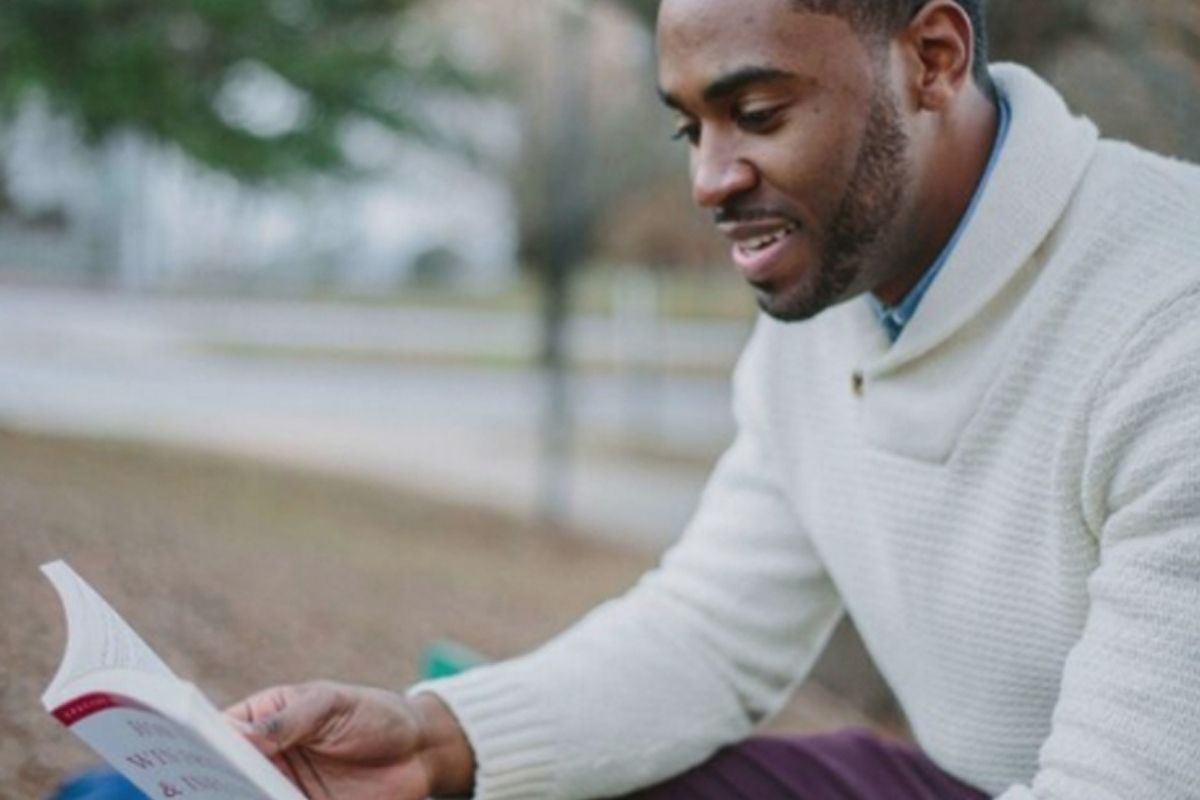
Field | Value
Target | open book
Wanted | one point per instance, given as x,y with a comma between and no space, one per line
117,695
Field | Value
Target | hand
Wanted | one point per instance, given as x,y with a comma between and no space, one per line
358,743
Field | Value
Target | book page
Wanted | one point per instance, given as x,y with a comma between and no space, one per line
117,695
97,637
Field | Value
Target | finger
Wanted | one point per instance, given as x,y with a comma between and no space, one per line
244,728
252,717
258,704
294,775
315,774
243,718
283,764
298,717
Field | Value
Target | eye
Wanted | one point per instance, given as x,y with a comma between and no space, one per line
756,120
687,131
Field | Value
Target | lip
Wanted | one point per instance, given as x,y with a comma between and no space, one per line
757,266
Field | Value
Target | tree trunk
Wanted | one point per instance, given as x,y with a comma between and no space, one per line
567,233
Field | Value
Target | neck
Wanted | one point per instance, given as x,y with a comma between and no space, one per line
958,158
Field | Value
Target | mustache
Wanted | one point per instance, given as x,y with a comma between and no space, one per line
734,214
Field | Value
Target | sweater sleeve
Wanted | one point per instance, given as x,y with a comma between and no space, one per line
697,653
1125,725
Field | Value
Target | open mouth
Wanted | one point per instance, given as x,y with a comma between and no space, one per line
758,248
757,244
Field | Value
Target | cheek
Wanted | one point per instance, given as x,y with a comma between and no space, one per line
811,163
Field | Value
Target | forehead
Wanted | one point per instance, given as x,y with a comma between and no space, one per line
701,40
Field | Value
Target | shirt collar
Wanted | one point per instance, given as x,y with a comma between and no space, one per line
894,318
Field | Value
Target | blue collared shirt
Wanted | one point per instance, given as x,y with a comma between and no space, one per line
894,318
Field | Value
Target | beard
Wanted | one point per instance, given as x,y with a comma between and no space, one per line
863,220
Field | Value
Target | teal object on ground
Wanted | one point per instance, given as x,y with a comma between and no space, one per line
445,659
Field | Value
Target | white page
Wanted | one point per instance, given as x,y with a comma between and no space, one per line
97,637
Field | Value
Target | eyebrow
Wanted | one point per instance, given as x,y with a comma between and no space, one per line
732,82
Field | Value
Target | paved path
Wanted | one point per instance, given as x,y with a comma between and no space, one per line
412,413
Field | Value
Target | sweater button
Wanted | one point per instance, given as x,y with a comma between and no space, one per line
856,383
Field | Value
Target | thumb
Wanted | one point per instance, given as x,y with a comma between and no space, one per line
299,718
270,730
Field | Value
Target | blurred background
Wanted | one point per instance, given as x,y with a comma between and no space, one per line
382,321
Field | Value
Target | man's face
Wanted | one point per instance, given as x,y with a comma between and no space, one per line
797,145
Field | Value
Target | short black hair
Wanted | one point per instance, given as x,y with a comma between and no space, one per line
889,16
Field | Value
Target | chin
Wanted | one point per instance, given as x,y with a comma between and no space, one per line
788,314
794,303
807,295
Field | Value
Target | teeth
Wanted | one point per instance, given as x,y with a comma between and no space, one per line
762,242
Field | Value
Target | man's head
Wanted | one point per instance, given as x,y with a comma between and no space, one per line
830,138
883,18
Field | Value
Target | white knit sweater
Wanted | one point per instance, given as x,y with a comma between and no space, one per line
1009,510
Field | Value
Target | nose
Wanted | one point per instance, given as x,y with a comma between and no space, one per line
719,173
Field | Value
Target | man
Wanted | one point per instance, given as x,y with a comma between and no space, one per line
968,418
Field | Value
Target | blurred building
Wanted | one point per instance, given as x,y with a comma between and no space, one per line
152,218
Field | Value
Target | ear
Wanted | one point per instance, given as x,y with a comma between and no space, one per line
939,47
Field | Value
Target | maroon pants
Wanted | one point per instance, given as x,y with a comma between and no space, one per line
846,765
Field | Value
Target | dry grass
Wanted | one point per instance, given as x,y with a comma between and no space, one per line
243,576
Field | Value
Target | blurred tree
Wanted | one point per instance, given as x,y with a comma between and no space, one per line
630,155
256,89
568,229
646,10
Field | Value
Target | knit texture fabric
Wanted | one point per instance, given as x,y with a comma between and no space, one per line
1007,502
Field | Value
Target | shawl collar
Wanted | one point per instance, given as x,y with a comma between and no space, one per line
922,391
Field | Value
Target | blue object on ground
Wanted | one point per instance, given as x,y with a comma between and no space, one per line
98,784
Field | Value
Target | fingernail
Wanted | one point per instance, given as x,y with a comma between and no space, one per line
268,727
